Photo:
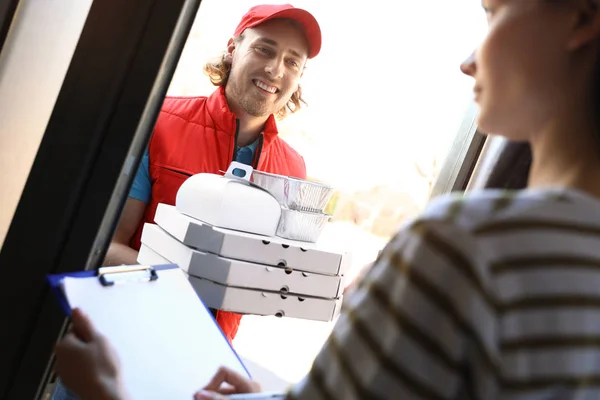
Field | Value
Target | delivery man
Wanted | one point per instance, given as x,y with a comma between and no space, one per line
258,80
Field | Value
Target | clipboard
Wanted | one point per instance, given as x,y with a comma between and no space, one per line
168,342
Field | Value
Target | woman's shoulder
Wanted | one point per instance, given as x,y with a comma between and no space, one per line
473,210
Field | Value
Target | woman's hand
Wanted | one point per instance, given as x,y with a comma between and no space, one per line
226,382
87,363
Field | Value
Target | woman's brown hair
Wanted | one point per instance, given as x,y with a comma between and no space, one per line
218,72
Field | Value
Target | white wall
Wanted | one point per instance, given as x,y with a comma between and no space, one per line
33,64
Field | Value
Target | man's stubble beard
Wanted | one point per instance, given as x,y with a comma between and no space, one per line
250,105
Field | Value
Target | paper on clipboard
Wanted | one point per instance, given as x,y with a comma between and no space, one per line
168,342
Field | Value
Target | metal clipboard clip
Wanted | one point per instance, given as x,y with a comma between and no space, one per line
108,276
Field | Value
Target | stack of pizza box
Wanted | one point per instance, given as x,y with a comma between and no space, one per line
245,272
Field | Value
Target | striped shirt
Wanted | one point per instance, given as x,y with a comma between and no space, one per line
493,295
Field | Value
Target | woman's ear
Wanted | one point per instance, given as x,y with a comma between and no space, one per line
587,26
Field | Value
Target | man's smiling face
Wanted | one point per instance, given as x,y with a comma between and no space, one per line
266,67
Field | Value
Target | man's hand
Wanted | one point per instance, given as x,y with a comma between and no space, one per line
226,382
119,252
87,364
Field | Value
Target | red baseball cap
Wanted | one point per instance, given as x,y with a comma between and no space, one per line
265,12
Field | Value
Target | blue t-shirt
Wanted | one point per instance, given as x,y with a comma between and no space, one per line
142,185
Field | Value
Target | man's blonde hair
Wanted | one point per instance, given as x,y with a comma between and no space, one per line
218,72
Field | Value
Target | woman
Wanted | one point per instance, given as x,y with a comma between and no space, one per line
490,295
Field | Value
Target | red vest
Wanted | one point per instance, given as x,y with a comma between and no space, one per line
198,134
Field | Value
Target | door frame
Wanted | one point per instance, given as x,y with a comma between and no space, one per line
102,120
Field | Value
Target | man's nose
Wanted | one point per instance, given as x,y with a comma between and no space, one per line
274,67
469,66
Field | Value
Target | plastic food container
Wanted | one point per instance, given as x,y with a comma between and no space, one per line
295,194
303,226
229,202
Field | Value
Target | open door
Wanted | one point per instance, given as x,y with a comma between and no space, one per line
101,121
7,12
385,154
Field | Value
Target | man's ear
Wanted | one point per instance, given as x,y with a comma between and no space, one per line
231,46
303,70
587,24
